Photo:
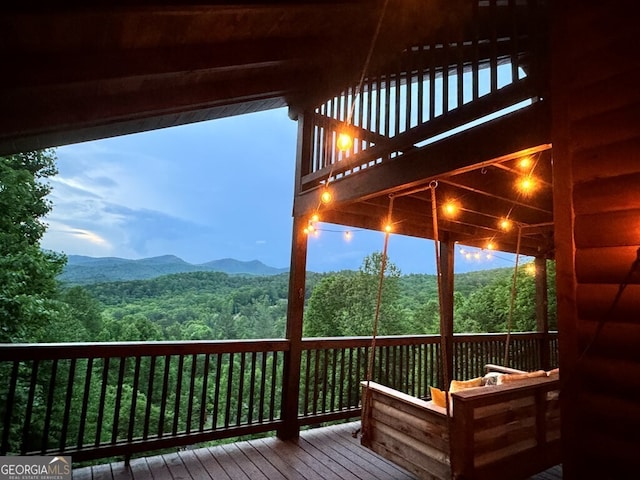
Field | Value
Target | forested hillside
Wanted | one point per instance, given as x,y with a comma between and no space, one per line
215,305
88,270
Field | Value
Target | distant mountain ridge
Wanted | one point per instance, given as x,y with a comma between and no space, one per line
83,270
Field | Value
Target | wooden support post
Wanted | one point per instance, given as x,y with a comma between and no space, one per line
447,250
291,372
542,313
297,284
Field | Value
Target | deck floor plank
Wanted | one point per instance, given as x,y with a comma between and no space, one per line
329,453
302,470
228,464
343,442
210,464
159,468
244,462
139,469
271,472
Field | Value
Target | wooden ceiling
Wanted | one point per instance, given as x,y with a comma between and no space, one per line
79,73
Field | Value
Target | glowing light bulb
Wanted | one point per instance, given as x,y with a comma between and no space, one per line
525,163
505,224
489,256
388,228
344,142
306,230
530,268
527,184
468,256
462,251
491,246
326,196
315,217
451,208
476,255
347,235
311,228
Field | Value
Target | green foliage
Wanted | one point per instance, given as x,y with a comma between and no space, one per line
28,289
344,303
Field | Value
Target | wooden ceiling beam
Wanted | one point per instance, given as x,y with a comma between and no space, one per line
126,104
97,67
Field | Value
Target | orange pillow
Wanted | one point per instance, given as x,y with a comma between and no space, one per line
457,385
515,377
438,397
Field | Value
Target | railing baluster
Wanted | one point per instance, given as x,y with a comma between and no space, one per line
216,392
165,391
67,405
205,390
192,387
341,381
85,403
325,380
49,406
263,379
350,382
101,402
240,396
274,378
178,399
116,410
334,366
252,389
134,398
27,419
150,385
306,355
316,381
227,405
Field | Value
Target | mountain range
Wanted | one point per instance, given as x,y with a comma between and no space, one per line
82,270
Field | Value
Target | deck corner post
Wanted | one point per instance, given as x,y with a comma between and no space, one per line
290,427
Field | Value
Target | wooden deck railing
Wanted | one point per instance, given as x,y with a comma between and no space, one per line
116,399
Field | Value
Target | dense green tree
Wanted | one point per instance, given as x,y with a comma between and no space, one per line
344,303
28,288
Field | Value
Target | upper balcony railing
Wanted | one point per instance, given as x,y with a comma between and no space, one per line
433,90
97,400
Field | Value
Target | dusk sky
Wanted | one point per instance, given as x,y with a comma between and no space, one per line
202,192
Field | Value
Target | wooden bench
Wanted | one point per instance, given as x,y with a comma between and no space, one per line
508,431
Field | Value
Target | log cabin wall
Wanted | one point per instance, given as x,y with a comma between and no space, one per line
596,143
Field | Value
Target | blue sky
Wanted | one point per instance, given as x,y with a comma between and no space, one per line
202,192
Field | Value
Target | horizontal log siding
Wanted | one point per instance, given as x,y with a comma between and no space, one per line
597,155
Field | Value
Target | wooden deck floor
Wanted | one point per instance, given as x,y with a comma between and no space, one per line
329,453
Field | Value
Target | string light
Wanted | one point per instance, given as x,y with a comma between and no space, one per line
344,142
315,218
527,184
388,228
530,268
451,208
326,196
505,224
525,163
347,236
491,246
